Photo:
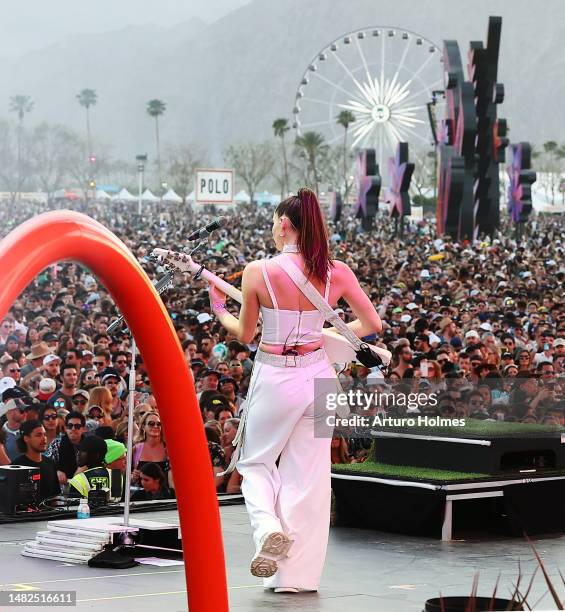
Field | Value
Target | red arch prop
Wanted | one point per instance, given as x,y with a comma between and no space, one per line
67,235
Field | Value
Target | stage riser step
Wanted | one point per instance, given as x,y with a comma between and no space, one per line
36,548
502,456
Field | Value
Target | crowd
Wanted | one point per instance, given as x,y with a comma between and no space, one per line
481,325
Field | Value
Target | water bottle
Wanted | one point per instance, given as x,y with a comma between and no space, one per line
83,511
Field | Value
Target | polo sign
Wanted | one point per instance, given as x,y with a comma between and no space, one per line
214,186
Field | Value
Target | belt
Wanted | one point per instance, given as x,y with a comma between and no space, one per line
291,361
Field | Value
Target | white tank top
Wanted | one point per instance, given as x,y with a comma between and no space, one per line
290,327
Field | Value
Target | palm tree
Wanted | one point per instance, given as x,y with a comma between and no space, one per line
21,105
87,98
280,127
345,119
156,108
312,145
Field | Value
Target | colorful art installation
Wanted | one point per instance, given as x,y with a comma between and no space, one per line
400,173
368,188
520,185
472,141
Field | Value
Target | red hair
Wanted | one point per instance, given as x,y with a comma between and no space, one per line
303,211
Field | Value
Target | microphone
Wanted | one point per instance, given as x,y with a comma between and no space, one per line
205,231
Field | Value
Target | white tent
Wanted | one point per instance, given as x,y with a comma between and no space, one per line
147,196
242,197
102,195
267,198
124,196
171,196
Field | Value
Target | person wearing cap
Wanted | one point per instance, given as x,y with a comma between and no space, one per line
227,386
32,443
422,345
51,366
80,400
52,341
111,380
95,473
115,458
341,313
472,338
196,365
448,330
6,382
47,386
11,346
207,380
15,411
35,358
559,348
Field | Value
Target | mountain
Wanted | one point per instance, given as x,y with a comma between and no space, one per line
227,81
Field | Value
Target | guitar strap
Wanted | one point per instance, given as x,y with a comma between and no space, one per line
317,300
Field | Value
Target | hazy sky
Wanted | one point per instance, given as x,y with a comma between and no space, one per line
32,24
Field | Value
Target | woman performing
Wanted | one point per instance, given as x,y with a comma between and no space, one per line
289,503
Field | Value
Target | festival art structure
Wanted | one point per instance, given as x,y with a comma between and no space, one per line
397,195
472,140
521,178
368,188
67,235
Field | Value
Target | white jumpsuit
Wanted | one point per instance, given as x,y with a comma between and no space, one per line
278,423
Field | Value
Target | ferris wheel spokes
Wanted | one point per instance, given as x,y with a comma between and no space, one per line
378,74
428,89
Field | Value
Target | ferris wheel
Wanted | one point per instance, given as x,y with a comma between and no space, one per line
385,77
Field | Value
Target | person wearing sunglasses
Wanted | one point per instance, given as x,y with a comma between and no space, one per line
101,360
49,420
149,445
80,400
524,361
94,418
64,448
11,368
15,411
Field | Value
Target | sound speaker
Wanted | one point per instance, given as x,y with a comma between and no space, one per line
19,488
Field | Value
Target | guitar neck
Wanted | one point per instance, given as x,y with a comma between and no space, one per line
228,289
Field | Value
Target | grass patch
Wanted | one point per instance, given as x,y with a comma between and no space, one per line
372,468
475,428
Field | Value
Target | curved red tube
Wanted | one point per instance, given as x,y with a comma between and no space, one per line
67,235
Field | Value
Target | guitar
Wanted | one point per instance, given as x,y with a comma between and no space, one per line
339,350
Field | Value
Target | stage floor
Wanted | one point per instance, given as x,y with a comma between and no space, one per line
365,570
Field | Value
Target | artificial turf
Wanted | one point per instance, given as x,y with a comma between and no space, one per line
475,428
372,468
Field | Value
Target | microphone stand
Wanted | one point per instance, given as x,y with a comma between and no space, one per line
161,285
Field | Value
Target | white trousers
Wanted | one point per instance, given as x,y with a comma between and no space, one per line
295,496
